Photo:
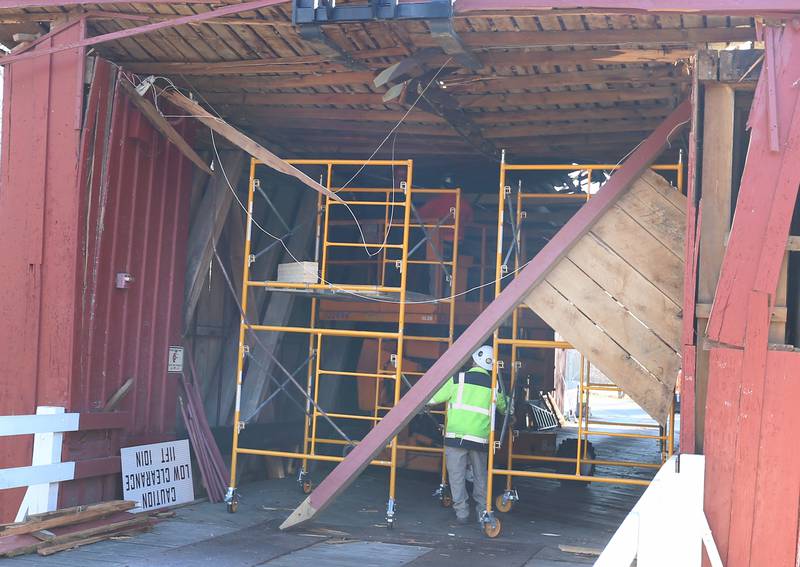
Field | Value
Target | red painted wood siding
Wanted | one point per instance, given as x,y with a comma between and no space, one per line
77,207
39,229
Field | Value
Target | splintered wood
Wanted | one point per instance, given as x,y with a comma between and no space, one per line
617,294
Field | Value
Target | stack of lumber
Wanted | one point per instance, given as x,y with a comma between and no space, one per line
68,528
213,471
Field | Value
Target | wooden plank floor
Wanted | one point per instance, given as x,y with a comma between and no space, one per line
426,534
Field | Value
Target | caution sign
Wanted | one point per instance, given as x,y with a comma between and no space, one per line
157,475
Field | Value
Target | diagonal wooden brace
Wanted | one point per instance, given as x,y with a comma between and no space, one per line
483,326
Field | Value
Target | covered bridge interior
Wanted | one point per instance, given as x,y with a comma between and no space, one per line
448,145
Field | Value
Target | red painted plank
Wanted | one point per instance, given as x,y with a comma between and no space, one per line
19,4
497,311
765,202
39,212
775,521
104,420
687,432
130,32
722,411
751,402
753,7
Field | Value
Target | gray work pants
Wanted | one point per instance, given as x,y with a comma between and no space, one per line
457,459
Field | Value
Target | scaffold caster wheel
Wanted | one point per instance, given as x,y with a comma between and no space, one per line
233,506
492,529
306,487
390,523
446,501
503,504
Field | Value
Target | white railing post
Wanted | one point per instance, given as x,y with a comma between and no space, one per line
46,451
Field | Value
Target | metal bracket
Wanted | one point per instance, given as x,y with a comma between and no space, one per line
500,364
504,269
393,360
398,264
391,510
230,495
240,425
245,349
251,260
507,190
523,214
256,184
326,11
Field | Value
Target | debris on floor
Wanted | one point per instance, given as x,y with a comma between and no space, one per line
68,528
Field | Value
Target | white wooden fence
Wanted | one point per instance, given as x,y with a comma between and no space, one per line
41,478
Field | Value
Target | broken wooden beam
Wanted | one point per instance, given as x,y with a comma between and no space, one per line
491,318
160,123
244,142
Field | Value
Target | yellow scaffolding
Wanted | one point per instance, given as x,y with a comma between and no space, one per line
584,464
386,258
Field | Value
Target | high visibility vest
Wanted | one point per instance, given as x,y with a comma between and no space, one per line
469,400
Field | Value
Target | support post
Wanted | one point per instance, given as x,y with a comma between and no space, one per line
715,203
46,451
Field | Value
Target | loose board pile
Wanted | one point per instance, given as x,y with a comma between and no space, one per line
51,532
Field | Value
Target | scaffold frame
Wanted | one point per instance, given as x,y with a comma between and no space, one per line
666,438
316,333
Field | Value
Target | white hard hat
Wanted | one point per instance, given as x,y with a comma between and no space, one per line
483,357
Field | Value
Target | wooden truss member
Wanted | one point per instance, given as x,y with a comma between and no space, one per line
483,326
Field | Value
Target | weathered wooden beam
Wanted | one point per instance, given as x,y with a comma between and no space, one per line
313,64
716,182
388,117
664,36
466,101
483,326
499,83
283,82
308,63
350,127
160,123
244,142
565,97
630,111
739,68
206,227
528,130
296,99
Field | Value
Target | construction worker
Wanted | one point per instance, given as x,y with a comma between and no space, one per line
466,439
